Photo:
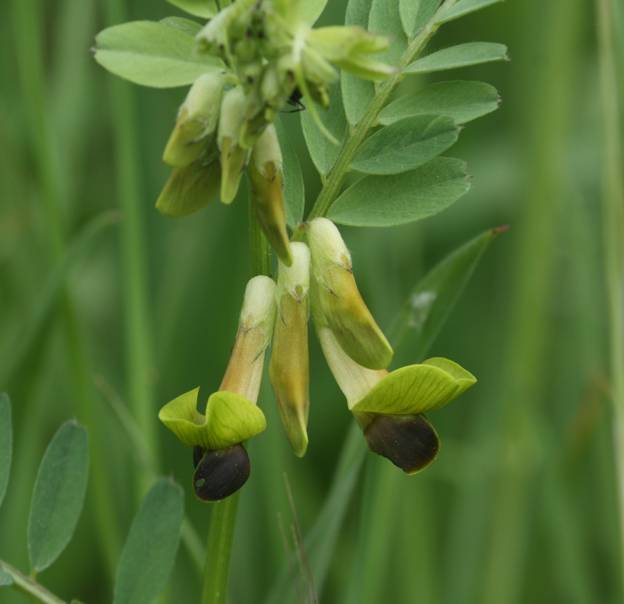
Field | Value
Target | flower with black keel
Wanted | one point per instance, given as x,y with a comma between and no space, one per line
231,415
388,406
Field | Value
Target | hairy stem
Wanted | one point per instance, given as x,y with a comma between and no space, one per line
29,586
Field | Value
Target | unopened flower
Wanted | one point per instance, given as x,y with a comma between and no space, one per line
336,300
289,369
390,406
233,155
232,415
267,190
197,121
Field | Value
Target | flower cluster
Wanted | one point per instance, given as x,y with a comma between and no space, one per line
268,53
388,406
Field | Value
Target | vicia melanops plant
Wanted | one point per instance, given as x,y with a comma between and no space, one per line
377,147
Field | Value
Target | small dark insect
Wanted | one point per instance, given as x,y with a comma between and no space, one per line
295,101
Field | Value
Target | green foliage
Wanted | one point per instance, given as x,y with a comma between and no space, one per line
462,55
199,8
58,495
431,301
384,18
6,443
311,9
322,151
389,200
185,25
463,8
416,13
356,93
406,145
462,101
152,54
294,192
150,550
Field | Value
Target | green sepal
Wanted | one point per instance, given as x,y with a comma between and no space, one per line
230,419
417,388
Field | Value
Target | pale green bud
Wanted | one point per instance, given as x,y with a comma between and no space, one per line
289,369
337,299
197,120
350,48
233,156
267,189
189,189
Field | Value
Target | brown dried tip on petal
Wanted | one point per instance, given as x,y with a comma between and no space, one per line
221,473
408,441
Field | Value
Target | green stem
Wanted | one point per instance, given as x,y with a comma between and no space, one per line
223,520
29,586
613,204
335,178
134,262
219,551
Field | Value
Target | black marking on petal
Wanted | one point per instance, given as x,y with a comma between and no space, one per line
221,473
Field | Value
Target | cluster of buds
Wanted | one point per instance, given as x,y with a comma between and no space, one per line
225,125
388,406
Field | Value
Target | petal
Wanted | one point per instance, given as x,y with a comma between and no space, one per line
417,388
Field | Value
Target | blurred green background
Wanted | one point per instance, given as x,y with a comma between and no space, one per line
521,504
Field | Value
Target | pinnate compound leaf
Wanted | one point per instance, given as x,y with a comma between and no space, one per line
6,443
198,8
188,26
311,10
406,145
356,92
150,549
58,495
462,55
416,13
322,151
152,54
385,19
294,190
460,100
399,199
430,303
462,8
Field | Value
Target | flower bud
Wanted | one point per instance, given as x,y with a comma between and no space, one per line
233,156
267,190
197,120
350,47
289,370
244,371
189,189
337,299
